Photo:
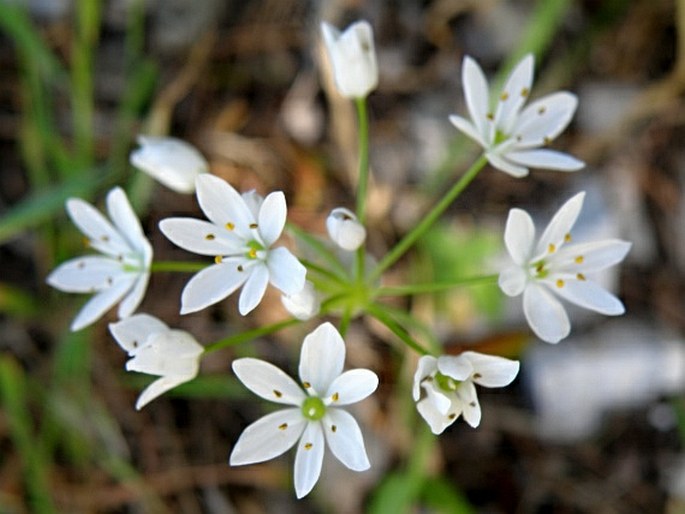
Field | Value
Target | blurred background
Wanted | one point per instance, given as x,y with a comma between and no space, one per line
593,425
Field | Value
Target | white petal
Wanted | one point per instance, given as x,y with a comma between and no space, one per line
519,236
101,234
439,399
456,367
201,237
468,128
560,226
547,159
168,353
544,119
345,439
512,281
353,58
596,256
85,274
96,307
545,314
254,288
158,388
131,333
254,202
308,459
125,220
303,305
506,166
268,437
351,387
590,295
322,358
132,300
211,285
491,370
426,367
476,95
222,204
268,381
344,229
469,403
286,273
272,215
514,94
437,421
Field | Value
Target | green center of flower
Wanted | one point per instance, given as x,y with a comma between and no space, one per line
254,247
539,269
313,408
446,383
500,137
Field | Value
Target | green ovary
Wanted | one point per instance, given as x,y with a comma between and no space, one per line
446,383
313,408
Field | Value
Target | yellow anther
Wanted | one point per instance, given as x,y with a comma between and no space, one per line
542,110
580,276
490,116
252,253
335,397
230,226
253,225
308,446
218,259
277,393
86,242
579,259
504,96
477,376
567,238
452,416
282,426
210,237
525,92
551,248
334,428
306,385
560,283
546,140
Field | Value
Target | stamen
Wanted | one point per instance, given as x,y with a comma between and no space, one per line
282,426
308,446
525,92
277,393
477,376
241,268
86,242
472,404
253,225
567,238
105,239
542,110
580,276
230,226
109,281
134,344
218,259
306,385
551,248
452,416
334,428
504,96
335,397
579,259
210,237
560,283
546,140
490,116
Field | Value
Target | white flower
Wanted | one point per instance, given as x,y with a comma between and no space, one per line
344,229
155,349
448,385
303,305
122,272
314,416
170,161
554,265
240,232
512,137
353,58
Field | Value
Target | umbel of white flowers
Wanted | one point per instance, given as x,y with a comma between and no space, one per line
555,265
173,162
511,137
353,58
239,234
155,349
123,269
314,418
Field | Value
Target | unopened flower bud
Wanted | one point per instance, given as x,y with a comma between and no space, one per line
303,305
344,229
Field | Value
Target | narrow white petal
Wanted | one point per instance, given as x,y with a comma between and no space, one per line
254,289
345,439
476,95
514,94
594,256
308,459
439,399
305,304
201,237
456,367
546,159
272,215
286,273
512,281
124,219
85,274
491,370
469,403
222,204
268,381
351,387
254,202
132,300
322,358
426,367
469,129
158,388
544,119
438,421
519,236
211,285
96,307
506,166
100,232
131,333
561,224
545,314
268,437
591,295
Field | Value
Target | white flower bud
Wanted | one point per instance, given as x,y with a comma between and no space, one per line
170,161
353,58
344,229
303,305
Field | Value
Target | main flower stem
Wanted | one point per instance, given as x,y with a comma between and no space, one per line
381,315
249,335
362,180
434,287
183,267
427,222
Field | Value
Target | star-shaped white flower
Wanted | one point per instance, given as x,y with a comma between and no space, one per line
155,349
170,161
353,58
512,137
122,271
315,418
557,266
448,386
239,233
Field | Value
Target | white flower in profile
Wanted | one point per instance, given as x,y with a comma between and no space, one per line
315,415
155,349
511,137
239,233
344,229
303,305
353,58
122,271
448,386
170,161
557,266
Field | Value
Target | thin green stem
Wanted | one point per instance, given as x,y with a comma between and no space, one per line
412,322
311,266
435,287
427,222
182,267
345,321
378,312
249,335
362,181
319,247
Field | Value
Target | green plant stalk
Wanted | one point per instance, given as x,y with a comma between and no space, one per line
249,335
378,312
413,289
319,247
411,322
177,266
362,181
428,220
